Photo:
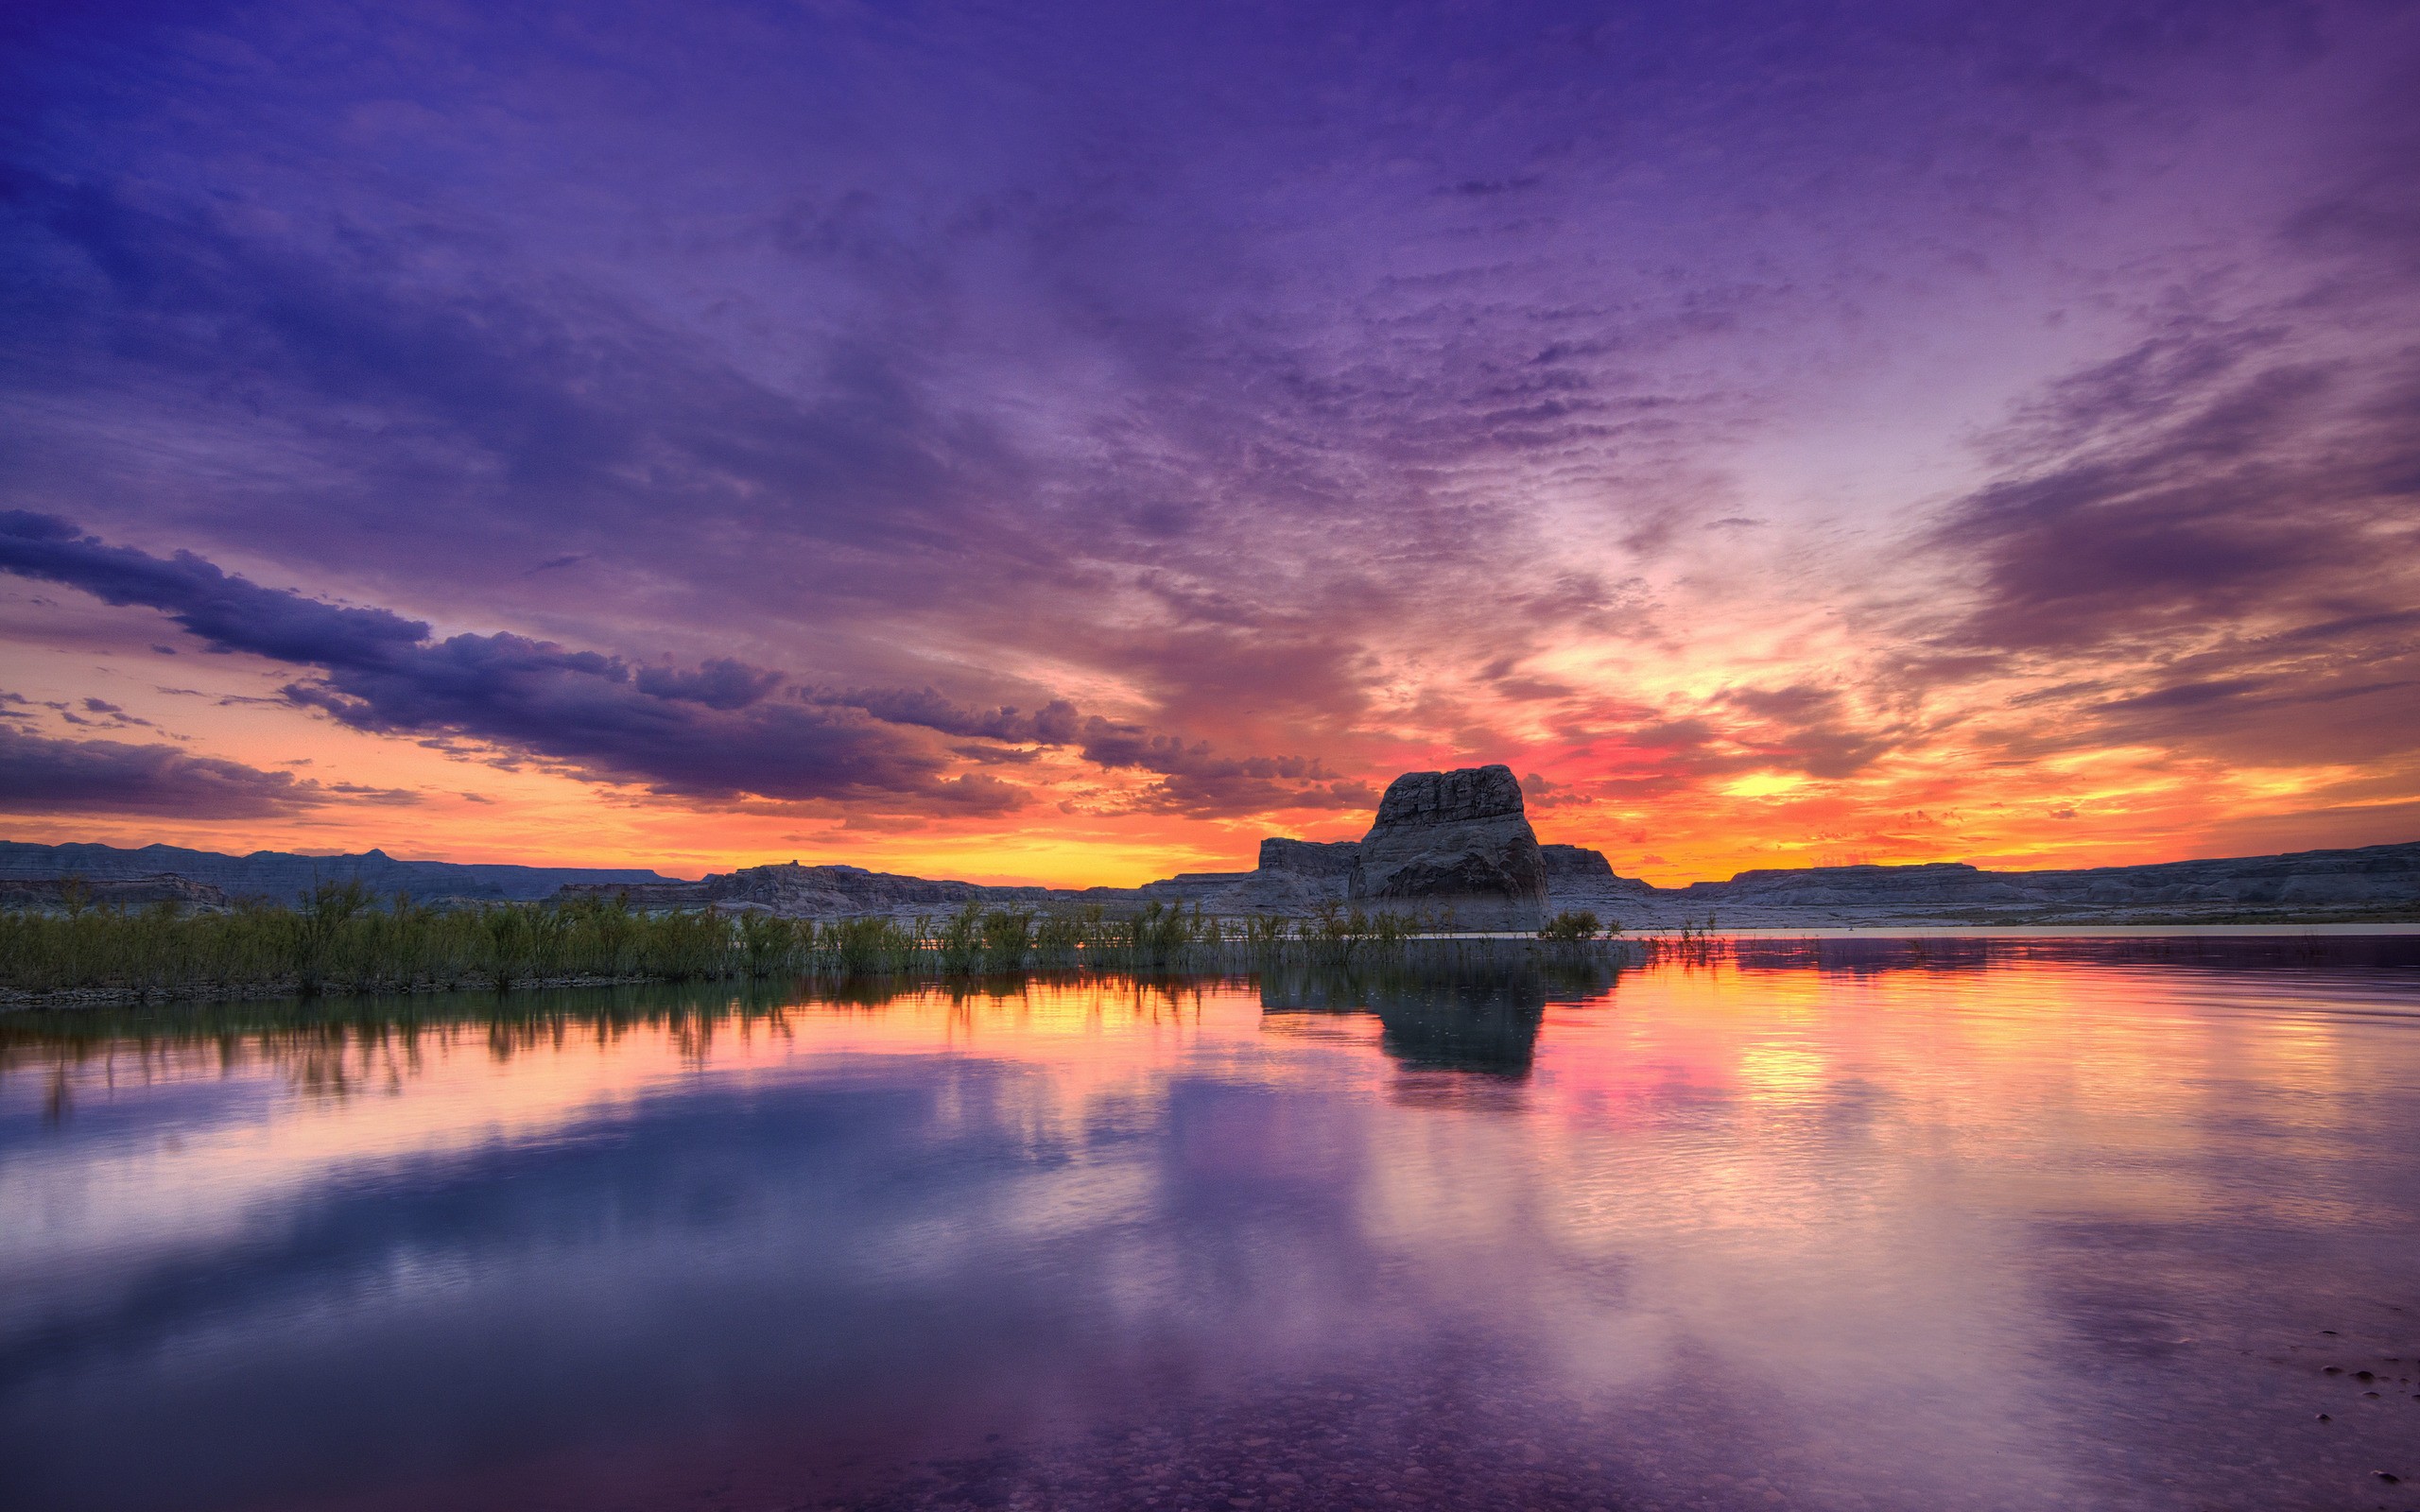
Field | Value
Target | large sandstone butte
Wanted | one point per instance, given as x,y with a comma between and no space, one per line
1455,849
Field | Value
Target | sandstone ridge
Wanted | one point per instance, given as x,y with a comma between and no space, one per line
1442,844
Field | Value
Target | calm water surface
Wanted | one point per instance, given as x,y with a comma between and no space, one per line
1990,1226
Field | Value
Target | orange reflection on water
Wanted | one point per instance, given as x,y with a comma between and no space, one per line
1984,1070
1916,1213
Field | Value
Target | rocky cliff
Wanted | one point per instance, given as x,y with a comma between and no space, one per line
1455,849
1458,840
1326,860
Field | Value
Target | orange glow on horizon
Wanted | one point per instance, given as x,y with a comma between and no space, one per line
1674,784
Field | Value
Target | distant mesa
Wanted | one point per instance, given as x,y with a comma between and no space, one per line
805,892
1444,847
1329,860
280,875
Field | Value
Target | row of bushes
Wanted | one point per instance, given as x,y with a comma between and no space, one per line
343,938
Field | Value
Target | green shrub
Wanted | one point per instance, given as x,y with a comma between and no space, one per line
1571,927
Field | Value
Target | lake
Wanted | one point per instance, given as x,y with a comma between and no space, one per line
1932,1225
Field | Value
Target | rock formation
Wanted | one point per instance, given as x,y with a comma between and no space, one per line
1329,860
1575,864
1443,840
1455,849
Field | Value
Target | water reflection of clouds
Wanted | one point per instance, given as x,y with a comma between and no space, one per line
1889,1209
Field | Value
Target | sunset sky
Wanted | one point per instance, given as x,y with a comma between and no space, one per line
1062,442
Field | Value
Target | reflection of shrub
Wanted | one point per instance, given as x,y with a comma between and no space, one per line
341,936
1060,938
1572,927
864,947
1007,934
961,939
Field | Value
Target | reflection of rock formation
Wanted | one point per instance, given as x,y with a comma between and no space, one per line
1470,1015
1454,846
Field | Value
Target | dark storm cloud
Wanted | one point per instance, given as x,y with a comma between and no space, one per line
40,775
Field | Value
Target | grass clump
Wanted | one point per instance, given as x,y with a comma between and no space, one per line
1575,926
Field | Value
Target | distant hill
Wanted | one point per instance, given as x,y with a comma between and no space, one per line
2381,883
2374,883
280,875
2378,882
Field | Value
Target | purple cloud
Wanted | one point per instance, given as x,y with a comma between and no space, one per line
2216,541
714,731
43,776
1344,381
706,733
1053,724
229,613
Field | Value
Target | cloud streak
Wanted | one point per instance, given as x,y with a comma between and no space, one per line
41,777
719,731
709,733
